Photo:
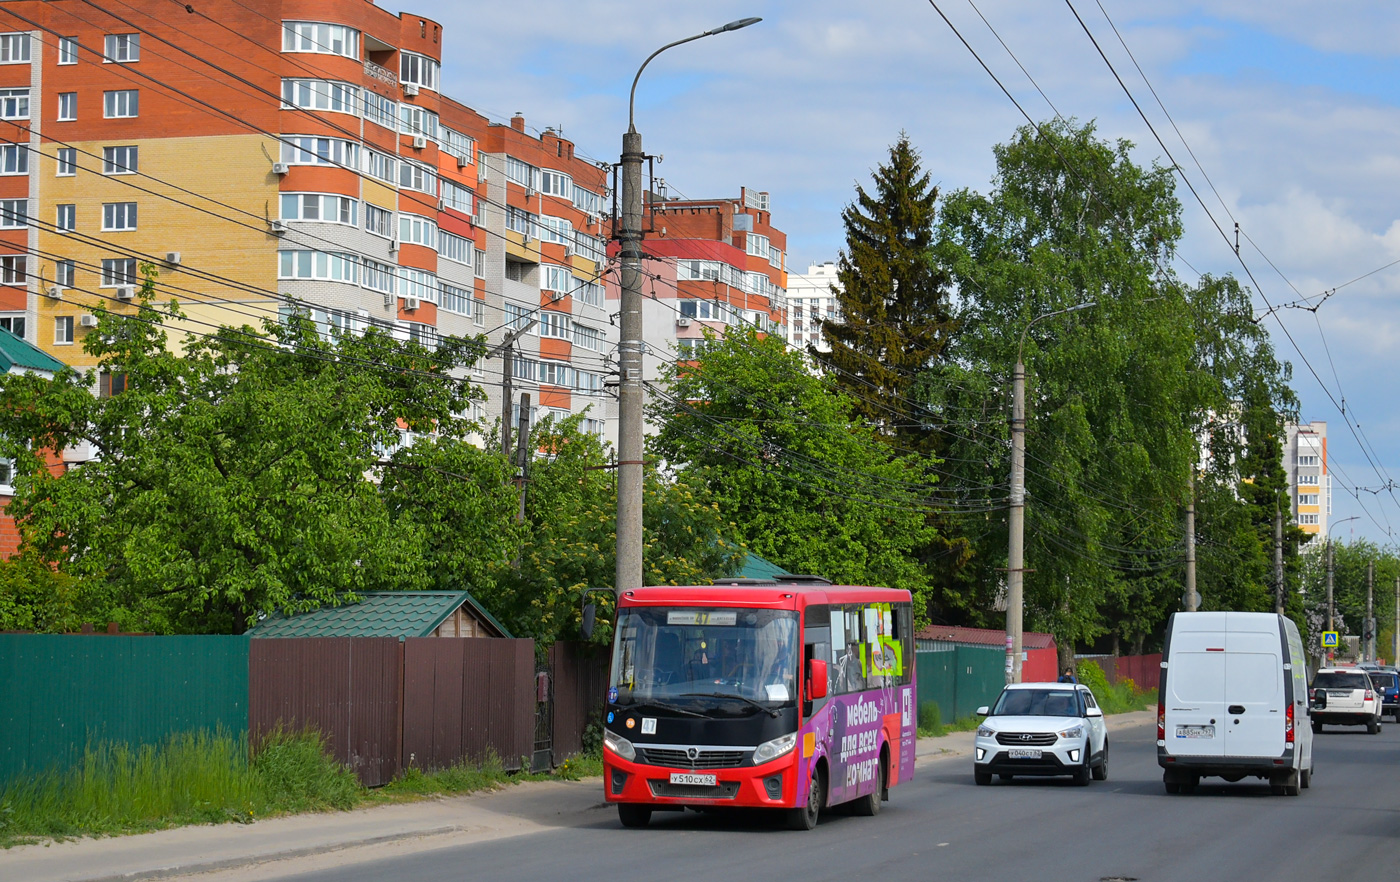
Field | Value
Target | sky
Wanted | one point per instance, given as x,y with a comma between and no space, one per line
1284,117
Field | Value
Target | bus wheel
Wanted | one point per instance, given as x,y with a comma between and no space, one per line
804,817
869,806
633,815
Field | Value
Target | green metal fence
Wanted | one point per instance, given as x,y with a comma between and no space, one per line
57,693
960,678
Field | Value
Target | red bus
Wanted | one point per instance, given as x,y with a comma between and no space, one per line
791,694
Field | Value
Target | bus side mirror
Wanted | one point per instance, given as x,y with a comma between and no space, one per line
816,679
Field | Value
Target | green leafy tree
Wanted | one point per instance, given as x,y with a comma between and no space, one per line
804,487
35,596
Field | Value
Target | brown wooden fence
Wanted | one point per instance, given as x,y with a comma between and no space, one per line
349,688
466,699
580,683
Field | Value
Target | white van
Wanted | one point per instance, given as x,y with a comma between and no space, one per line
1233,701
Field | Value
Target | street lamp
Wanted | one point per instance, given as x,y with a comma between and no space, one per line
1016,520
1330,609
629,399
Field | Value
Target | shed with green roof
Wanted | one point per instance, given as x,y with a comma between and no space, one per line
390,614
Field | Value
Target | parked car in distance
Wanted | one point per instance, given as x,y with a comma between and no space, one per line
1345,697
1387,682
1041,729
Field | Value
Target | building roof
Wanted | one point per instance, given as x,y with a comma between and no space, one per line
379,614
17,354
756,567
983,636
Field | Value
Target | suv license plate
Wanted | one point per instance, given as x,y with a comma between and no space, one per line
692,780
1023,753
1195,731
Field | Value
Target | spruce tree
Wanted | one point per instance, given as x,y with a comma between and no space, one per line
895,311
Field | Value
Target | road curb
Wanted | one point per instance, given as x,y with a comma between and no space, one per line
192,867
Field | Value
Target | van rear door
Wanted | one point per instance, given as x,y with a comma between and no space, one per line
1195,694
1255,709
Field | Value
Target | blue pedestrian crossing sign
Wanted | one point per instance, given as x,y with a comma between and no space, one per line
1329,639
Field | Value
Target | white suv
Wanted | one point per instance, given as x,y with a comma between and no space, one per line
1345,697
1042,729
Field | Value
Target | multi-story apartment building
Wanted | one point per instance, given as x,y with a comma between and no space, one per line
1310,485
810,300
709,264
276,155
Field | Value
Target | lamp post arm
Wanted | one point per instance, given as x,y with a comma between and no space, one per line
632,98
1026,333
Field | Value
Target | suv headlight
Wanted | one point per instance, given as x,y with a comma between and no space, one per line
619,745
1074,732
771,750
985,732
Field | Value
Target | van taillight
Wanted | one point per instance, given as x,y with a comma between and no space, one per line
1161,720
1370,695
1288,726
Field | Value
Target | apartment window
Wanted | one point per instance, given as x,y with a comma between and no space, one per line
118,216
554,324
522,221
415,230
310,150
417,121
321,95
457,197
14,48
518,317
556,230
454,247
118,271
1305,479
456,144
67,106
480,264
415,177
109,384
63,330
121,103
14,213
119,160
702,309
586,381
13,270
775,257
318,265
423,335
454,299
556,278
381,166
66,220
378,276
420,69
381,110
14,104
315,36
590,293
67,50
1305,459
1307,519
522,173
553,183
14,324
63,273
122,48
587,200
756,245
556,373
591,247
588,338
379,221
1307,498
320,207
67,161
592,426
420,284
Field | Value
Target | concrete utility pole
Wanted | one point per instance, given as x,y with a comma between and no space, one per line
1016,513
1278,560
1368,643
506,349
1191,599
522,454
630,397
1395,635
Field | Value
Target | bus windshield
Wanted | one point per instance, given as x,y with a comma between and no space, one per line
698,655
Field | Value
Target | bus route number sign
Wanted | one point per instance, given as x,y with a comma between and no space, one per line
699,617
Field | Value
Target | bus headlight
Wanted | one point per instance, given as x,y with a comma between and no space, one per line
619,745
771,750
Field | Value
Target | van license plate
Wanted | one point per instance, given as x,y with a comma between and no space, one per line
1023,753
692,780
1195,731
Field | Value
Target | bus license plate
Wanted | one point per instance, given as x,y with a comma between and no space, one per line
1195,731
692,780
1023,753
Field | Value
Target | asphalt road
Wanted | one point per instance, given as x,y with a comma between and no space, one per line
1347,826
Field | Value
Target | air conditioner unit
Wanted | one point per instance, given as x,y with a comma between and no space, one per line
410,303
529,192
279,227
280,168
87,321
683,322
172,258
463,162
593,220
393,245
568,251
410,89
55,292
126,292
419,142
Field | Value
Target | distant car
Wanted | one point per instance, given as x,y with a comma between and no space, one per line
1040,729
1345,697
1387,681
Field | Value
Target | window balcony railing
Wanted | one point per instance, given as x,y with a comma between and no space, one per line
383,74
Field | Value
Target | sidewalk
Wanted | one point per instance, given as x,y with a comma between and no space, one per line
515,811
